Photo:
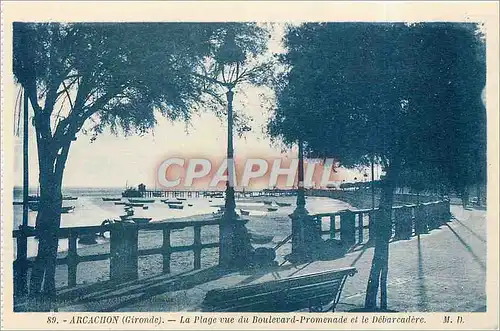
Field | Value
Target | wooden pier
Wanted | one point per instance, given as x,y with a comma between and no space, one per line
214,193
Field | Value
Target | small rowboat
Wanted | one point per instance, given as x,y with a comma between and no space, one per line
283,204
145,207
141,200
172,202
190,205
244,212
272,209
134,204
66,210
111,199
175,206
260,238
267,202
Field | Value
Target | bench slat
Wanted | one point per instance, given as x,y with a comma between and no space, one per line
304,296
276,285
282,295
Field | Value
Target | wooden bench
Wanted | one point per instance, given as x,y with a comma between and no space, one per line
316,291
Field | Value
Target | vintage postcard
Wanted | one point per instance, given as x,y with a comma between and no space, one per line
249,165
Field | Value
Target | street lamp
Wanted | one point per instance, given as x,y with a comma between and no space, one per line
306,235
235,244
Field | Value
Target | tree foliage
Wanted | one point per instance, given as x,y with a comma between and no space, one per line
119,75
407,94
391,90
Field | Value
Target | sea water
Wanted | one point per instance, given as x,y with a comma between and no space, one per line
90,210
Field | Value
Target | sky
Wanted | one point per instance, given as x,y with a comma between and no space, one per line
116,161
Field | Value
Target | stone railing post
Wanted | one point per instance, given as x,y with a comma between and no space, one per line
434,216
421,219
123,252
348,228
445,211
403,220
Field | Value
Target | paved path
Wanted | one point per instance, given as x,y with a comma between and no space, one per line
444,270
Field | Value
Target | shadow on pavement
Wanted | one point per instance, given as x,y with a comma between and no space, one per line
106,297
469,249
469,229
422,291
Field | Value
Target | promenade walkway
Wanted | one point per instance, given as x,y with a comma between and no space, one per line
444,270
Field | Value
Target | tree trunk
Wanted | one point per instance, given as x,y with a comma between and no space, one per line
383,233
48,221
47,226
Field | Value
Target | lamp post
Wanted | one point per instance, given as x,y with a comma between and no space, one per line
305,233
372,182
230,204
301,199
235,247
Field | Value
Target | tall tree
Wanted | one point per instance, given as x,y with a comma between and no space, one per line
404,94
117,75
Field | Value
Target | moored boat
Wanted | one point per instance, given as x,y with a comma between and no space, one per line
111,199
65,210
67,197
131,192
272,209
141,200
181,199
175,206
244,212
120,203
283,204
172,202
134,204
267,202
260,238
